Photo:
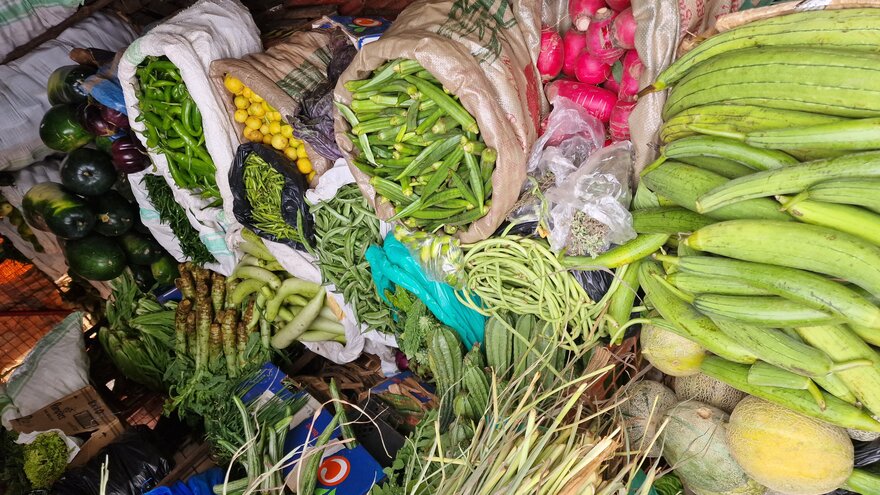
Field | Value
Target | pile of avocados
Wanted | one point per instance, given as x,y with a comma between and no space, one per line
99,229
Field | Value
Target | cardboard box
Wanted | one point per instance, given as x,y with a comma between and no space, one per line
100,438
343,471
80,412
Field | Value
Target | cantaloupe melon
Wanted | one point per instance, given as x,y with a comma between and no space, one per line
645,404
695,445
786,451
670,353
704,388
751,487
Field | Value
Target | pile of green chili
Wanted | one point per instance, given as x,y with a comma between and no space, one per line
173,125
263,185
345,227
172,214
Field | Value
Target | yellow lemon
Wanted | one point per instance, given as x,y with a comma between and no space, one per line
278,142
241,116
311,176
253,123
290,153
264,129
247,93
294,141
267,139
301,152
256,110
254,135
256,98
304,165
287,131
241,102
275,128
233,84
274,116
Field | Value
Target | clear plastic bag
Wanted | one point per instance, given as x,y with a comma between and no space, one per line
570,136
440,256
589,211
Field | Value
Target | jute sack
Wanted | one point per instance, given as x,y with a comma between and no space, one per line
483,52
281,75
209,30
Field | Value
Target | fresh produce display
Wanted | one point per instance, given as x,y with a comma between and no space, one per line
264,124
173,126
421,148
45,459
172,214
263,185
139,336
345,226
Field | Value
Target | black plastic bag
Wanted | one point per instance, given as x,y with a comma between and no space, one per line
294,209
135,467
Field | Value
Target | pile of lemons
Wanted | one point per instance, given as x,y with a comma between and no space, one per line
264,124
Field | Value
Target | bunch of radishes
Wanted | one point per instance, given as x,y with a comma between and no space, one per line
599,44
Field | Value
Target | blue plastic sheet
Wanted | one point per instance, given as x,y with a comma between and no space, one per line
200,484
392,265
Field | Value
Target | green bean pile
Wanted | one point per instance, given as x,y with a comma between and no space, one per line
523,276
420,147
263,185
172,214
345,226
173,125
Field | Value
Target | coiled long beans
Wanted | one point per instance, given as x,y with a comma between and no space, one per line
522,275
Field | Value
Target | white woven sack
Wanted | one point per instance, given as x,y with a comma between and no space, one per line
209,30
162,231
51,261
21,21
56,367
23,99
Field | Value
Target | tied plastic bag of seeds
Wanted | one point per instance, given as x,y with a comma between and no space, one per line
589,210
269,196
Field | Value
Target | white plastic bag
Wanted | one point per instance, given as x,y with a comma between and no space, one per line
209,30
56,367
23,99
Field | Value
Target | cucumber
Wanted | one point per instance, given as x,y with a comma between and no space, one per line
47,206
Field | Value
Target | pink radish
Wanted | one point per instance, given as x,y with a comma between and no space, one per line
632,70
611,84
623,30
599,38
575,43
619,123
583,11
596,100
589,69
618,5
552,56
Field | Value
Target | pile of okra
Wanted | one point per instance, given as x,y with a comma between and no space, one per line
421,148
173,125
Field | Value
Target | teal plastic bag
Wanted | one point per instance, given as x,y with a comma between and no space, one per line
393,265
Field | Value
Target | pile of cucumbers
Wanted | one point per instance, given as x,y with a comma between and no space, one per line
768,184
99,228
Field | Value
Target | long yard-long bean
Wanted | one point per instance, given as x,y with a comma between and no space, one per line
345,226
522,275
